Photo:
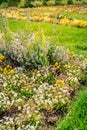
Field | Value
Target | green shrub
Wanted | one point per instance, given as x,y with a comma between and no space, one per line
44,2
25,3
37,4
33,55
59,54
13,2
4,5
69,2
58,2
51,3
79,2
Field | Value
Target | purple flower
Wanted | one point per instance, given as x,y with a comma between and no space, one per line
1,83
58,72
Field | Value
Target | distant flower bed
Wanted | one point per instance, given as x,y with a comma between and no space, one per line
53,15
37,80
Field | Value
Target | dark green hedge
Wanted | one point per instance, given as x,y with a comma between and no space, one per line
30,3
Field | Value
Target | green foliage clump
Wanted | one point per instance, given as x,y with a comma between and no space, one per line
69,2
36,3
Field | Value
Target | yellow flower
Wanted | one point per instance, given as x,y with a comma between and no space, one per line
5,71
8,70
11,72
56,65
9,67
65,66
60,83
2,58
79,23
64,21
85,59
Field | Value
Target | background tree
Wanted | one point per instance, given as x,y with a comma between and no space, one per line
69,2
2,1
45,2
13,2
57,2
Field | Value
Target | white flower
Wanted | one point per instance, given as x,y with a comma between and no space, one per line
19,128
19,108
5,84
32,128
63,101
15,95
8,103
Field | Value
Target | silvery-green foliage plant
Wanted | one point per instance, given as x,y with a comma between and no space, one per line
30,54
60,54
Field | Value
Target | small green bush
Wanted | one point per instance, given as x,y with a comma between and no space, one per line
58,2
13,2
4,5
69,2
79,2
37,4
51,3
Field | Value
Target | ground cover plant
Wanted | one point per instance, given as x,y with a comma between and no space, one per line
38,77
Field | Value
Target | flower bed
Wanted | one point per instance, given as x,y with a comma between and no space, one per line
34,84
48,14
